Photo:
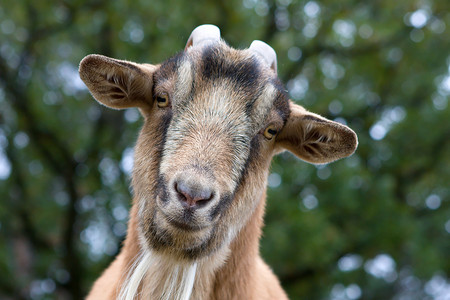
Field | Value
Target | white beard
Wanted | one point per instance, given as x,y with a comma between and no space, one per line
165,280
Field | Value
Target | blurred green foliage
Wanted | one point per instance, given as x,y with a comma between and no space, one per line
372,226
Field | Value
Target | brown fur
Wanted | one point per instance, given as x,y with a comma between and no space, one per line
210,135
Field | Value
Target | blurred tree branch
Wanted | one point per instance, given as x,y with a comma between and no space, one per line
320,47
52,148
21,202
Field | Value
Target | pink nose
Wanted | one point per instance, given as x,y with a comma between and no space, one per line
193,194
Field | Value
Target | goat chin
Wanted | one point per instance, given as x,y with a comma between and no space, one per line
175,282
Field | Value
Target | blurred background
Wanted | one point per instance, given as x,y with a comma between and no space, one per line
372,226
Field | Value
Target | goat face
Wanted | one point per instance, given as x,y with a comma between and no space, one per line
213,105
214,116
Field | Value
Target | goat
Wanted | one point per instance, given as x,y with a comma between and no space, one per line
213,118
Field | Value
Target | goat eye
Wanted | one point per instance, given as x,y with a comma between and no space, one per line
162,100
270,132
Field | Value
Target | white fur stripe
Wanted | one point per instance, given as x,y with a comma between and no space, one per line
184,80
151,271
134,278
188,282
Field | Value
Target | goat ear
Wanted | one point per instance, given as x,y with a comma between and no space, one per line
117,83
316,139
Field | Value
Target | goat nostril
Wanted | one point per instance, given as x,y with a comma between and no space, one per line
203,202
205,198
192,194
180,193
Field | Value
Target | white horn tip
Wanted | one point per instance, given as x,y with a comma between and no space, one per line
266,52
203,33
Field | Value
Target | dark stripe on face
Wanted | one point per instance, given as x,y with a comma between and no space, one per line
281,101
161,239
226,200
224,203
207,247
162,191
162,128
168,68
194,82
253,155
244,74
251,103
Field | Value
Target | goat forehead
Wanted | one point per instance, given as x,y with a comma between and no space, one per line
218,77
240,67
240,70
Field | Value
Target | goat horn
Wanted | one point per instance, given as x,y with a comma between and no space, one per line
203,33
266,52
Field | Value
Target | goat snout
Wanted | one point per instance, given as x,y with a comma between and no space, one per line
192,193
